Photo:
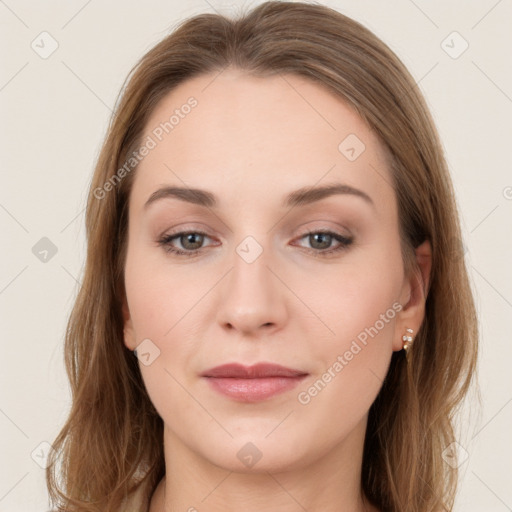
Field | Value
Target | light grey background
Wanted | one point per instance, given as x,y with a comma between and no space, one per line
54,114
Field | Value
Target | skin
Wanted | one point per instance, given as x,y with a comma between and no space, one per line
251,141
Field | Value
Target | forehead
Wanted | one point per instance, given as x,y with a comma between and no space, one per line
230,131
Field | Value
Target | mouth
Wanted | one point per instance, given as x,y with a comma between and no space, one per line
252,383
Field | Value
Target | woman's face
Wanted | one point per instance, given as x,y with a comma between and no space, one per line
258,282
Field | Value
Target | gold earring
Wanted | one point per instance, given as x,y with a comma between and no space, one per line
407,339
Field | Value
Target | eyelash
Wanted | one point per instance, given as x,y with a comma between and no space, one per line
344,242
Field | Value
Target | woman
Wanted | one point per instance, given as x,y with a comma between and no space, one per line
273,314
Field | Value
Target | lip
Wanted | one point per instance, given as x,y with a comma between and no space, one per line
252,383
259,370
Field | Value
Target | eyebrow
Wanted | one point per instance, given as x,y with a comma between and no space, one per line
300,197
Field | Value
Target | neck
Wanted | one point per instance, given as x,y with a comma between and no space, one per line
329,483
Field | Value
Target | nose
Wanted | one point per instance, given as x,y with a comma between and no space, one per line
252,298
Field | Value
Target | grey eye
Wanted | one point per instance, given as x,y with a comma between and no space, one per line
191,241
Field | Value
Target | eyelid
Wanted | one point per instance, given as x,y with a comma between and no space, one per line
186,228
326,226
166,238
180,230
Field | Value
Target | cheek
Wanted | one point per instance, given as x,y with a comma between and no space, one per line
358,305
164,304
157,306
355,297
352,362
157,297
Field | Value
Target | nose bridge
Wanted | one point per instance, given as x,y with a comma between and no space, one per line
251,295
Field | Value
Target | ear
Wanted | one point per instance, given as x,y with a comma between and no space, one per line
414,295
129,332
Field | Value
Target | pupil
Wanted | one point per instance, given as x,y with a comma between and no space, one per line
323,238
193,239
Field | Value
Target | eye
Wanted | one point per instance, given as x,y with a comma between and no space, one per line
191,242
321,242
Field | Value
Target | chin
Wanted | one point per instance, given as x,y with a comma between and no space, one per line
249,453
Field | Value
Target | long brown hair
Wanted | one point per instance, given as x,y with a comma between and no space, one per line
112,441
